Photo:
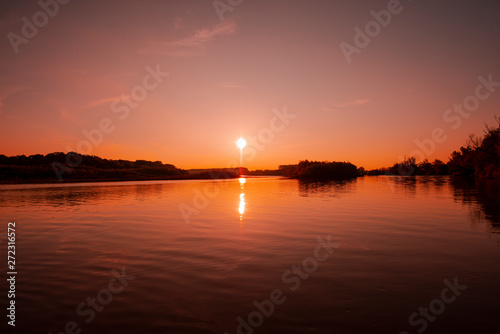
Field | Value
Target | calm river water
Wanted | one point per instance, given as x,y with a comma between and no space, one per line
257,255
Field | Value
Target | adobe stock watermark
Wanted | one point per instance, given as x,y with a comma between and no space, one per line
88,308
256,143
294,276
223,6
30,28
122,108
453,116
372,29
436,307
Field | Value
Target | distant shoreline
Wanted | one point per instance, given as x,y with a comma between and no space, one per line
52,181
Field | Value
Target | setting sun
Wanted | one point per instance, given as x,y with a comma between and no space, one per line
241,143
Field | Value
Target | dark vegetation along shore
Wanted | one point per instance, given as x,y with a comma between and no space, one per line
74,167
480,157
321,170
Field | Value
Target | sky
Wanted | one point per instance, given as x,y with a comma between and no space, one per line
180,81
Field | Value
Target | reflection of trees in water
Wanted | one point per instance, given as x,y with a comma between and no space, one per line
78,195
333,188
482,197
406,185
410,184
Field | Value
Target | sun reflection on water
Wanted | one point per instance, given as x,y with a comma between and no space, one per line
241,207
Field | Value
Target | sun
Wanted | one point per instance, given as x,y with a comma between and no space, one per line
241,143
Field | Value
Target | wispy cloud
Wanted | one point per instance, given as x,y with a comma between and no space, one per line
203,36
100,102
189,45
353,103
166,51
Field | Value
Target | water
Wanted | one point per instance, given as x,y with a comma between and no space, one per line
199,253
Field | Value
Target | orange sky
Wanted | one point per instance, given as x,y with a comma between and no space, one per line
227,76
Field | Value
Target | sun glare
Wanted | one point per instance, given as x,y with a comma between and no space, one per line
241,143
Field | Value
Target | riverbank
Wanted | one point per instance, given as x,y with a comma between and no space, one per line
55,181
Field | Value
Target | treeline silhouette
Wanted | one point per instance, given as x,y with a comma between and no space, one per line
320,170
59,167
265,172
410,167
480,157
314,170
